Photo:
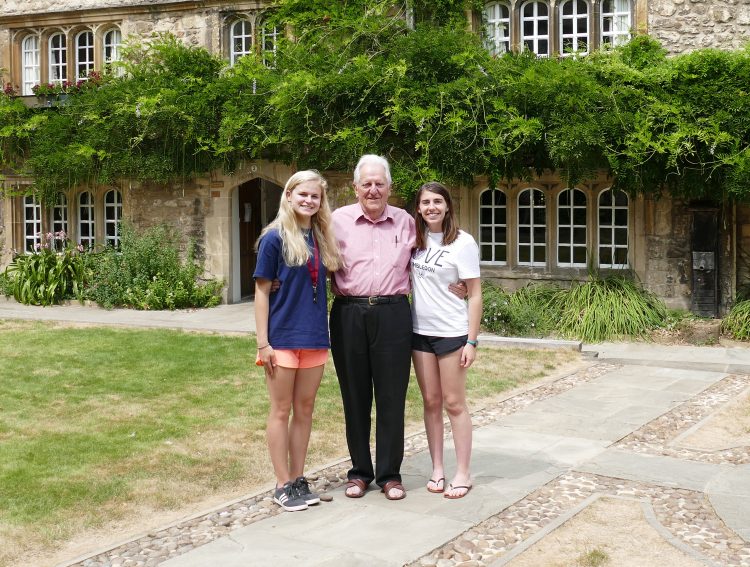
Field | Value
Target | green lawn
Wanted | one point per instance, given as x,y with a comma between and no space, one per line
100,424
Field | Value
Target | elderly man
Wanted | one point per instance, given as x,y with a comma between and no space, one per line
371,326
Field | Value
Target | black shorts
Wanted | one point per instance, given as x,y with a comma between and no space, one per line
437,345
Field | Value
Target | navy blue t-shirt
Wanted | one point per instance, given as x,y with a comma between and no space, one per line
294,320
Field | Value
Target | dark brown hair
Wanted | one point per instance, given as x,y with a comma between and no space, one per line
450,226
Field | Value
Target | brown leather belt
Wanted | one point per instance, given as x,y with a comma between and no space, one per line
371,299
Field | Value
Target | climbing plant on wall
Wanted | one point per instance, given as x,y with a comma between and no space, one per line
355,76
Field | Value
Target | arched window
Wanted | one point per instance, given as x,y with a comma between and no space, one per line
535,27
32,224
574,27
86,227
240,40
613,229
493,227
112,218
571,228
84,54
30,59
615,23
532,228
60,216
497,18
111,46
58,58
269,42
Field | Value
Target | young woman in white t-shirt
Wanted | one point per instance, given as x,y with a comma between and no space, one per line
445,330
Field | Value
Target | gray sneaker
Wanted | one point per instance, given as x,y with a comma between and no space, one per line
288,499
302,488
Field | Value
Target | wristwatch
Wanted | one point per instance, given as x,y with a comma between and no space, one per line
475,344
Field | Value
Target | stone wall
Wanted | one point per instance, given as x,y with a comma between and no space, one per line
687,25
183,208
13,7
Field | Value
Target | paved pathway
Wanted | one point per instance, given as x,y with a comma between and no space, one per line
612,428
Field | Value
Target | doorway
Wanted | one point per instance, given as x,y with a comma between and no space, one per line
257,205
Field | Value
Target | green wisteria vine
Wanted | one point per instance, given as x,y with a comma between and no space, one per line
355,76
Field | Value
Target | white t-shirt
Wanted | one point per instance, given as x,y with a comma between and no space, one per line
435,310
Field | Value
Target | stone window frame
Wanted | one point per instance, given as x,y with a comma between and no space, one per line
619,34
69,213
572,243
535,222
596,39
257,35
610,234
574,37
57,68
59,215
84,54
87,221
532,41
498,16
45,35
113,218
111,48
265,42
496,229
236,54
33,67
552,191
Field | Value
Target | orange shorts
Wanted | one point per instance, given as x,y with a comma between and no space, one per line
299,358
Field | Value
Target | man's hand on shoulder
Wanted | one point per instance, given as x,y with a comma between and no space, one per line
458,289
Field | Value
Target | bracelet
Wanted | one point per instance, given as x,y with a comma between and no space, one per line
264,346
475,344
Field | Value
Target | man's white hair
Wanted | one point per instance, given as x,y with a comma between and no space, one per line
374,160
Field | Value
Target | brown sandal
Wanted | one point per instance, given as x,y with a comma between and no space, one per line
359,483
390,485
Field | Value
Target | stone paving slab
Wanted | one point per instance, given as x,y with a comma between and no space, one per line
729,494
333,532
655,469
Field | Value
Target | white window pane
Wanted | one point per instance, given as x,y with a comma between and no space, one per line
532,228
241,40
31,68
58,58
84,55
497,18
492,227
32,220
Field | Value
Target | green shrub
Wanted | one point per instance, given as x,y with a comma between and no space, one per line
6,285
55,273
523,313
607,308
737,322
147,273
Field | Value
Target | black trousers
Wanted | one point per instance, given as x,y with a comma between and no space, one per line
371,348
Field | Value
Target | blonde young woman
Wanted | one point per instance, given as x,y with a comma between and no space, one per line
445,329
298,249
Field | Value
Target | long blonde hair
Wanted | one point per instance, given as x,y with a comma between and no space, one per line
293,245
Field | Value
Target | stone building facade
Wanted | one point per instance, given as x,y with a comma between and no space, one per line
527,231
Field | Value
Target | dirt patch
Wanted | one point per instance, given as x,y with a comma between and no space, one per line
726,429
611,532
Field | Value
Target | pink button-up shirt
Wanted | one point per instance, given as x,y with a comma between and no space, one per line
376,254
